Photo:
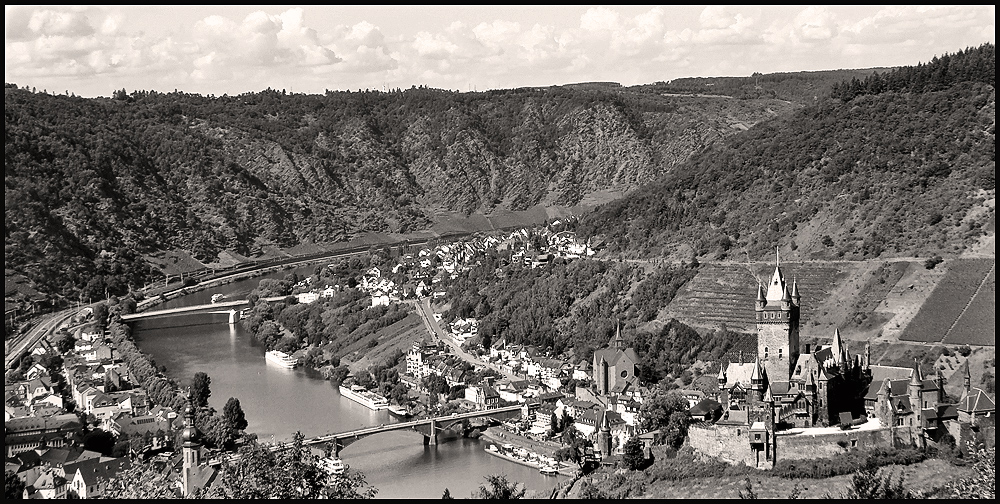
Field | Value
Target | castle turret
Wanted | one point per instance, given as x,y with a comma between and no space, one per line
604,436
796,298
761,300
722,377
758,381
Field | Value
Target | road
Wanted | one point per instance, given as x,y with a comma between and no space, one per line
427,314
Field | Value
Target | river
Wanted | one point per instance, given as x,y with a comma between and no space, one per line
278,402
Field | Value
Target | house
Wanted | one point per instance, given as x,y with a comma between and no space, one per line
307,297
90,479
36,370
46,485
380,298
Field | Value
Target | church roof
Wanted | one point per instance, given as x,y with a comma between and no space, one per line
614,355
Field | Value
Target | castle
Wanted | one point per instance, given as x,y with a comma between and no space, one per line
803,388
784,396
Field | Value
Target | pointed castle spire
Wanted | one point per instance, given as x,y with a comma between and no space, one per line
916,378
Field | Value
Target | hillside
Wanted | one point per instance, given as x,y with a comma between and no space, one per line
94,188
903,167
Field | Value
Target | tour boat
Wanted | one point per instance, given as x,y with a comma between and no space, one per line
364,397
548,470
399,412
218,297
332,465
281,358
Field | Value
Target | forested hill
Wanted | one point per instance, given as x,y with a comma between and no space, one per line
91,184
901,163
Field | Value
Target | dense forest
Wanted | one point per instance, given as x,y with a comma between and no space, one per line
93,185
894,173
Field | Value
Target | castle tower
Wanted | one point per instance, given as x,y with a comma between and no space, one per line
604,436
191,449
777,317
916,392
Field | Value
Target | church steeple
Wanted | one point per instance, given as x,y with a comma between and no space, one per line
618,343
191,448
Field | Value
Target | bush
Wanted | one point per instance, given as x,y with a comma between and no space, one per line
933,262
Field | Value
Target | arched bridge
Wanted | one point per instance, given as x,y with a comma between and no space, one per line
429,427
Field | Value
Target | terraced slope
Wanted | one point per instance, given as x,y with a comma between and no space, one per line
723,293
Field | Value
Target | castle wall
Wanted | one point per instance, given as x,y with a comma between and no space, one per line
806,446
730,443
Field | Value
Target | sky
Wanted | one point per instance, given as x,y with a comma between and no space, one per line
94,50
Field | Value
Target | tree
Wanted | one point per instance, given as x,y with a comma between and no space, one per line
982,484
446,494
497,487
144,481
869,482
200,389
99,441
656,411
293,472
64,343
233,414
632,454
13,487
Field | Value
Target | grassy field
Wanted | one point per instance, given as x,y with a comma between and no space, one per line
948,300
928,477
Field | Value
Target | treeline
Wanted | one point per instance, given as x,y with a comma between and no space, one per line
973,64
676,347
93,184
893,173
162,390
574,307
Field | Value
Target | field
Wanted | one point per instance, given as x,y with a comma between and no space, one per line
725,293
977,326
400,335
939,314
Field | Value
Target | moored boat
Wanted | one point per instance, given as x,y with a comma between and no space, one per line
281,359
364,397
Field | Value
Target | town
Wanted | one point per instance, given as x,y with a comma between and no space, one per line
784,401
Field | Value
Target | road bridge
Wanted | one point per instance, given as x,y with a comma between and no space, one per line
428,427
230,307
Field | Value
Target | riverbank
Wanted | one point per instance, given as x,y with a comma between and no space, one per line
501,436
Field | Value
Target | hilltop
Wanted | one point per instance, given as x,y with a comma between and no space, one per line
95,188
